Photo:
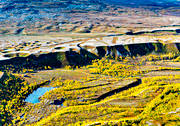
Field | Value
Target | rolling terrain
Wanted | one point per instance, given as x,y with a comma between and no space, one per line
29,17
89,63
91,80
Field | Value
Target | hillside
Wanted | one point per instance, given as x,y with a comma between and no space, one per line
89,63
130,91
97,80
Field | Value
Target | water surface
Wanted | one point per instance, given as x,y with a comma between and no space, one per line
34,97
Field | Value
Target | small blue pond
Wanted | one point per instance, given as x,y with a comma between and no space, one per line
34,97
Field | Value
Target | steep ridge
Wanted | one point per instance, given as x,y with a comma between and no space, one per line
84,57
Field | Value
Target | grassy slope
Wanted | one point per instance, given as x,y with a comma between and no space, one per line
155,100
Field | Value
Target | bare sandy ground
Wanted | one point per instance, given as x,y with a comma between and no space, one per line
40,44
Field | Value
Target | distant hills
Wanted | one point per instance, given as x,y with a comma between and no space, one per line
46,8
162,3
50,8
17,16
